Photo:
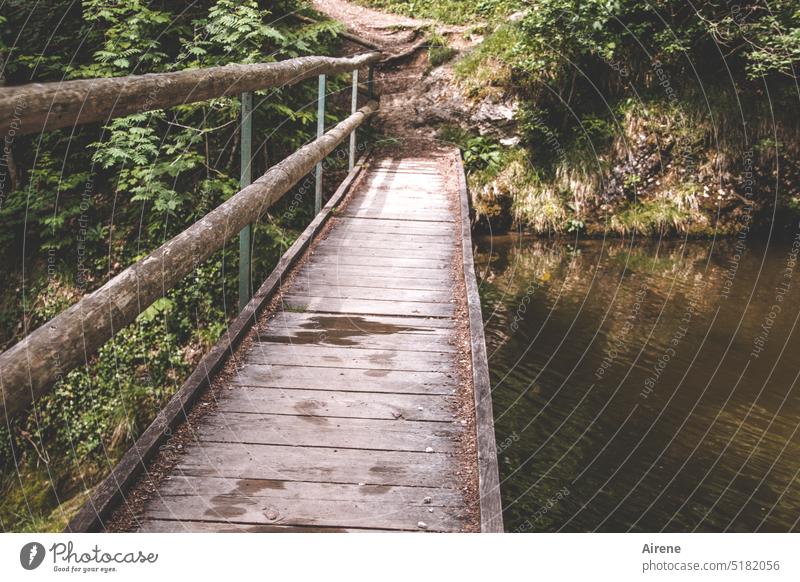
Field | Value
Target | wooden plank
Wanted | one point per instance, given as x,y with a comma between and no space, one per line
365,230
326,258
369,513
387,225
438,254
109,492
292,322
321,431
347,357
322,465
338,404
432,216
440,275
373,293
172,526
488,474
367,307
355,380
178,485
307,280
405,342
389,240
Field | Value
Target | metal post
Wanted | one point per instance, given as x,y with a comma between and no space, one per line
320,133
353,108
245,177
371,82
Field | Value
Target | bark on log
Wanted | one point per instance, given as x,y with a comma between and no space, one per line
28,369
45,106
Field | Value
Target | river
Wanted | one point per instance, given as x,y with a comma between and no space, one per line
644,386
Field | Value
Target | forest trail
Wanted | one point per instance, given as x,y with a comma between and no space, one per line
402,81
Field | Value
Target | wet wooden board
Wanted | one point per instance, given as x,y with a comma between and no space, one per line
305,303
347,357
341,415
266,489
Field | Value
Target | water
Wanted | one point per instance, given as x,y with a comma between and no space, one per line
644,387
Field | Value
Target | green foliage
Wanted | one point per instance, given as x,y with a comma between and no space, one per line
651,217
438,50
92,200
488,68
449,11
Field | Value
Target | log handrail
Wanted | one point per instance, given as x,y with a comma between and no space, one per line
30,367
39,107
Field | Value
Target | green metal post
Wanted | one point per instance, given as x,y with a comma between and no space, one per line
320,133
353,108
245,177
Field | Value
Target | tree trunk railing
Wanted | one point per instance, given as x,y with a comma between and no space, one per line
30,368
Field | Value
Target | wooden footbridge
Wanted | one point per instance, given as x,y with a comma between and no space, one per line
351,393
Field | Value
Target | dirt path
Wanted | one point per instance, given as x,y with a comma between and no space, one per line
412,96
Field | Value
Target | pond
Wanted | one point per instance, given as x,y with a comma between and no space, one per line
644,385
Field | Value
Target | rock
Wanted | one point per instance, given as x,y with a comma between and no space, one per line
422,525
427,500
428,449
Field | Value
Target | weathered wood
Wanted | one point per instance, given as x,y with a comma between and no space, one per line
331,277
339,433
338,403
319,464
439,275
182,485
355,380
375,512
374,293
488,473
335,421
368,307
110,491
32,365
230,526
333,258
347,357
48,106
374,332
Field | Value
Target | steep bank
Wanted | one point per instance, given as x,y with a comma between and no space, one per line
656,118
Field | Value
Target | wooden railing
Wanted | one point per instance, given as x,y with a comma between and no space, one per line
29,368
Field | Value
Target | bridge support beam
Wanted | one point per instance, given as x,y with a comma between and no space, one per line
320,133
245,179
353,109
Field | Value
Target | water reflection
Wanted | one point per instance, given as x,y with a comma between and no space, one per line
644,386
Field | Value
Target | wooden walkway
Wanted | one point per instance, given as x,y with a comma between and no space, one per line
346,413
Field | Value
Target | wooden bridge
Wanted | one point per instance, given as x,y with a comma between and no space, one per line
351,393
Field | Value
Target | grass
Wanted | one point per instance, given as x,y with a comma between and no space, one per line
488,68
651,217
448,11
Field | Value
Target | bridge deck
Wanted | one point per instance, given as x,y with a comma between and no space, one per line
347,411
